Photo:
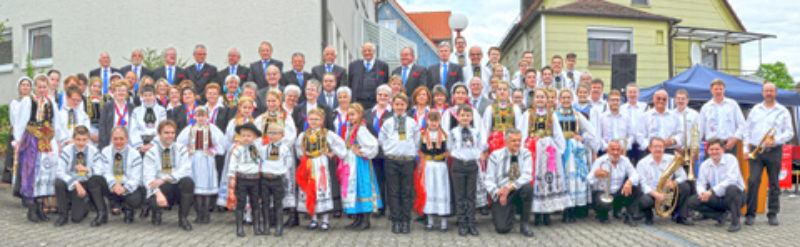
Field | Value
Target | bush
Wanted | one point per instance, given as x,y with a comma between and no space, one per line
5,129
153,59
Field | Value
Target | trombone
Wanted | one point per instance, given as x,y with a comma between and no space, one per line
770,135
691,145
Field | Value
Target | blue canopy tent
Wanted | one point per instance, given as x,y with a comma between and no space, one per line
697,80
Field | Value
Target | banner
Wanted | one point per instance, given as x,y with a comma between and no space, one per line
785,175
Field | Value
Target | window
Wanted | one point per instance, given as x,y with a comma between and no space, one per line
389,24
40,44
711,57
640,3
6,50
604,42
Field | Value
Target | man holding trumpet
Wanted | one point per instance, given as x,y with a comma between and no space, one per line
767,128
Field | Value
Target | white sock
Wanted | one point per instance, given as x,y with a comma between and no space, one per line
314,218
325,218
430,220
444,222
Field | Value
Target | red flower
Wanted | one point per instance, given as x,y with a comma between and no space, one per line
453,74
242,76
380,72
205,74
415,74
180,75
337,76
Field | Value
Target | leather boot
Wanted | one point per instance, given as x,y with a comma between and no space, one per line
40,211
145,211
102,210
256,221
279,218
240,223
364,224
156,216
356,222
32,216
62,218
265,213
128,212
293,219
183,222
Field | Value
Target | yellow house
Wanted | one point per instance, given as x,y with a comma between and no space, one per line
660,32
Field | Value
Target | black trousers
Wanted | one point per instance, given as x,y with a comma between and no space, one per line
770,159
517,200
272,189
130,201
181,192
8,167
377,163
335,190
399,178
647,202
717,205
70,201
246,188
620,201
465,177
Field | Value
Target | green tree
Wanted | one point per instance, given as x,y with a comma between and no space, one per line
776,73
152,58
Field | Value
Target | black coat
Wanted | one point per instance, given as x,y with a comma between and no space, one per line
290,78
207,74
178,75
143,71
241,71
107,122
257,74
364,83
300,111
341,73
417,77
454,74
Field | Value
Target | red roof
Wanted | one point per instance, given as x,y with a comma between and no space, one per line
433,24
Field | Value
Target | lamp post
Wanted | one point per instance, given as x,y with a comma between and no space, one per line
458,22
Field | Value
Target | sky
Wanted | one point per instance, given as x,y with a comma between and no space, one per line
490,20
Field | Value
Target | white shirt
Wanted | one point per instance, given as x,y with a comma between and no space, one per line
665,125
371,64
310,106
610,126
282,163
181,165
466,151
633,112
213,112
650,172
719,176
498,170
242,162
620,173
139,128
761,119
390,139
81,119
721,120
690,115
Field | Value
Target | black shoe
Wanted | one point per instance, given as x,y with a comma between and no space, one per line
356,222
156,217
462,230
683,221
749,220
423,218
145,212
617,215
128,215
405,227
537,219
32,214
525,230
565,216
484,211
240,223
313,225
278,218
473,231
735,227
720,221
364,223
546,219
648,218
257,230
62,220
293,220
395,227
184,223
773,219
40,212
630,221
100,219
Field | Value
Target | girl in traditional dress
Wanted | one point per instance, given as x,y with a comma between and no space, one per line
24,86
439,99
275,114
421,100
203,141
544,139
37,149
244,115
314,147
577,157
432,176
499,117
94,106
460,95
359,186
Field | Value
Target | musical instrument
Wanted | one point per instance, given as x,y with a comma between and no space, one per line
606,197
665,207
691,147
770,135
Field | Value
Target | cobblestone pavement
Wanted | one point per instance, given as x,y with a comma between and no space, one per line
15,230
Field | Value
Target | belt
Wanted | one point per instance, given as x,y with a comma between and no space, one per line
438,157
402,158
248,176
465,162
269,176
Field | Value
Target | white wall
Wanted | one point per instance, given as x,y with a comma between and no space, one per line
84,29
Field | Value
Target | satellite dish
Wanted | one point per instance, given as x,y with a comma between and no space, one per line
695,54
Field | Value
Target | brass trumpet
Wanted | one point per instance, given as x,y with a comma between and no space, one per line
770,135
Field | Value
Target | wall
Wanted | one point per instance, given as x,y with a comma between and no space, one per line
425,55
730,57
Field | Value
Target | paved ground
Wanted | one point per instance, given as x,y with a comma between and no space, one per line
15,230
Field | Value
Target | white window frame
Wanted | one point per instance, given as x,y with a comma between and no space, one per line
609,33
9,66
42,62
645,4
390,24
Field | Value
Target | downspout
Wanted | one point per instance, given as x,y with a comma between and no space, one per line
670,48
324,24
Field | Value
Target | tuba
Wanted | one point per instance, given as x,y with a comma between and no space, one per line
770,135
665,207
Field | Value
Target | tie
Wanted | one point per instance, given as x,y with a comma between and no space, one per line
328,68
444,74
466,136
401,127
254,153
369,66
118,170
105,81
266,63
405,75
461,60
169,75
199,67
513,169
71,121
274,152
475,103
233,70
299,78
80,159
166,162
136,71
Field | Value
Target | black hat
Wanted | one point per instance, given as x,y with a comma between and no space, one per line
248,126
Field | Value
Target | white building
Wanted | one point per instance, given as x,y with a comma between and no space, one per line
70,35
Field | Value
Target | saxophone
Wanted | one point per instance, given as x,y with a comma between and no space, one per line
666,206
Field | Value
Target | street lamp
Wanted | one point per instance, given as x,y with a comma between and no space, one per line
458,22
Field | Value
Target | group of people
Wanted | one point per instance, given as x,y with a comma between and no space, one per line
453,139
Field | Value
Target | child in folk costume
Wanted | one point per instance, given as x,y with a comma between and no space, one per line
544,139
577,157
71,116
278,161
421,99
314,147
36,149
432,177
145,119
245,174
80,177
203,141
243,115
359,185
467,151
497,118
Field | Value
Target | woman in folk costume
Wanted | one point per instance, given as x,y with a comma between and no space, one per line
315,147
203,141
421,99
341,126
359,185
231,91
24,86
577,156
94,106
276,114
244,115
432,176
37,149
545,141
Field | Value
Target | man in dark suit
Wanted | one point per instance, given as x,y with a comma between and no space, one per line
413,75
115,113
105,71
174,74
137,68
301,110
258,69
445,73
476,98
366,75
296,76
274,79
201,73
329,66
233,68
328,95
